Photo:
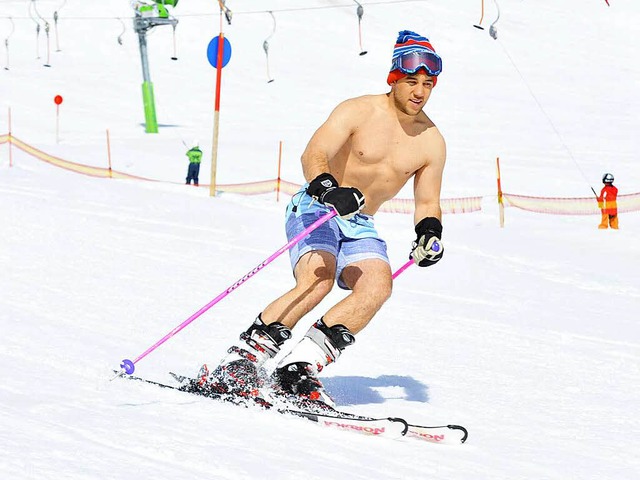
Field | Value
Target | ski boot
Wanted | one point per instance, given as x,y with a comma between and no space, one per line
240,373
295,380
298,385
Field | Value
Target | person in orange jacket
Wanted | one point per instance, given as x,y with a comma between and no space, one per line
607,203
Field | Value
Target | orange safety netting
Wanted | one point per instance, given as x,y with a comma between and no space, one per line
448,205
555,206
67,165
396,205
569,206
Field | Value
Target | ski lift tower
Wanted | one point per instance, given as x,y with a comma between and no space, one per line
148,16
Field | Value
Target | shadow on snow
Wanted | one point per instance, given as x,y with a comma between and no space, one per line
363,390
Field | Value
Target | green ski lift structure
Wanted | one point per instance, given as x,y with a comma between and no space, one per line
148,16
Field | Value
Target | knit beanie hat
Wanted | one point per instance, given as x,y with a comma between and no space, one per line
408,42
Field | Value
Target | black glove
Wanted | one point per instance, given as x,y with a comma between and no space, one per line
346,200
427,248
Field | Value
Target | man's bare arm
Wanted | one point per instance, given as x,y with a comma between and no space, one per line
328,139
427,247
428,182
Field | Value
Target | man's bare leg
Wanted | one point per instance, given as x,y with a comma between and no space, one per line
315,273
370,282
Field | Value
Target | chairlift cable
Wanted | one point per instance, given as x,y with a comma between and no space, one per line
46,29
55,23
124,29
6,41
227,13
546,115
360,13
265,45
493,31
32,4
175,50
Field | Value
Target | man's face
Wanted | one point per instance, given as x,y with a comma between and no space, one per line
412,92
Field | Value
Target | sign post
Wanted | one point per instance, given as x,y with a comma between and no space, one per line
218,54
58,101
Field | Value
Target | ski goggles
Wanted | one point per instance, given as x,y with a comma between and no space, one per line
411,62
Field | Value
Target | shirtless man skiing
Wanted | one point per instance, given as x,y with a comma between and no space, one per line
362,155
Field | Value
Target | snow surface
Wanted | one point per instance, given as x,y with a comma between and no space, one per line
527,335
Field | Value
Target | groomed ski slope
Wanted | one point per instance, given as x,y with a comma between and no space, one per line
527,335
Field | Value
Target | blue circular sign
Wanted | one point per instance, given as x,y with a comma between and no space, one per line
212,52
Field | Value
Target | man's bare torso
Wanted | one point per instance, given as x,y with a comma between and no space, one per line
382,154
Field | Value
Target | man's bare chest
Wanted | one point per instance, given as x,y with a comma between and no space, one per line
391,149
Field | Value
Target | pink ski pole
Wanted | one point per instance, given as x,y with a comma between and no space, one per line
128,366
402,269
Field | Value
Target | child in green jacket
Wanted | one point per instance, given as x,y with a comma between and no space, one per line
195,157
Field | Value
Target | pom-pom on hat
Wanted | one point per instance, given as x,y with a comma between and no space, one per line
408,42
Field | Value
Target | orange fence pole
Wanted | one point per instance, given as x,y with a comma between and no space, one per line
109,154
10,151
500,200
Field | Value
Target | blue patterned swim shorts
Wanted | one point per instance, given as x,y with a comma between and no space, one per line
348,240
